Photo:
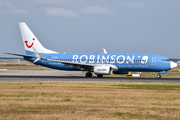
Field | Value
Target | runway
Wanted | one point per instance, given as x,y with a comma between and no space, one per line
79,78
58,75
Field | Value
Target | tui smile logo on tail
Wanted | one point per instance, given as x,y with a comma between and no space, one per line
29,46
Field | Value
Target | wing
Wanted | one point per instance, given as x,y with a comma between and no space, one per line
80,65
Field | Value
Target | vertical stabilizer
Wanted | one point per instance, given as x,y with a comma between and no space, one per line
30,40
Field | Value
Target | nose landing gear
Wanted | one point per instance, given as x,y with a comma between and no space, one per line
158,76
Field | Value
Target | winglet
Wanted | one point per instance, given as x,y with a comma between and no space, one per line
37,55
104,50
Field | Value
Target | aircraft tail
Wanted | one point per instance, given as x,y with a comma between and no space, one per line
30,40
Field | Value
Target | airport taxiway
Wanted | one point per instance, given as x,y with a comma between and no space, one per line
58,75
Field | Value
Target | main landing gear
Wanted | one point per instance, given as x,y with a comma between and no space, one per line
99,75
88,74
158,76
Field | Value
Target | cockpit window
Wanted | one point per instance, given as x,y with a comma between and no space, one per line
165,60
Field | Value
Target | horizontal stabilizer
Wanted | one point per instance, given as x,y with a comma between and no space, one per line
19,55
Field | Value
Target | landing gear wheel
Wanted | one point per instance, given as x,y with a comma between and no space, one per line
99,75
158,76
88,74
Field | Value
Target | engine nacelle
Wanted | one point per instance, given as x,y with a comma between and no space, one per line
120,72
103,70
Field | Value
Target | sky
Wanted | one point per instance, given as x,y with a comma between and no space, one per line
88,26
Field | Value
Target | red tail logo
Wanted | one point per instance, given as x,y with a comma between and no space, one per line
29,46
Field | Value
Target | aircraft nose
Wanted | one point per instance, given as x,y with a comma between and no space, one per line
173,65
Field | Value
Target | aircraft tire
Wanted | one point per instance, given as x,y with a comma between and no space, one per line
159,76
99,75
88,74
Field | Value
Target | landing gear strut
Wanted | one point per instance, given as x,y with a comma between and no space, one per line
158,76
88,74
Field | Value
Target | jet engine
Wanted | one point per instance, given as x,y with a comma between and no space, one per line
103,70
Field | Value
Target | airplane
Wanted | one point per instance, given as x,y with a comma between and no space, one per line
100,64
